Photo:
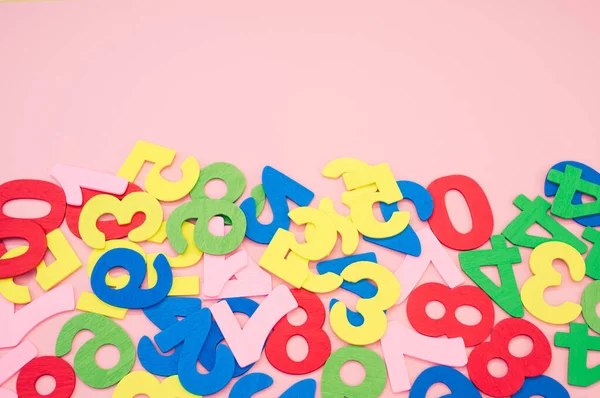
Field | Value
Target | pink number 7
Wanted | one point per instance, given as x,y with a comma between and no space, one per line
250,280
399,341
21,322
247,343
412,268
12,362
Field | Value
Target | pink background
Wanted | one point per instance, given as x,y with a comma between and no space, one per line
499,91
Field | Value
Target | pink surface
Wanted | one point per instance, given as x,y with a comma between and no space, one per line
498,91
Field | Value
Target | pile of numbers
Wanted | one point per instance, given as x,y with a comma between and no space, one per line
214,230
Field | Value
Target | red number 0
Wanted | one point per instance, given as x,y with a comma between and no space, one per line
533,364
40,190
449,325
319,346
34,235
479,206
58,368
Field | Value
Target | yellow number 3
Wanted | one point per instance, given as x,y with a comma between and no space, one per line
375,321
157,186
544,276
123,210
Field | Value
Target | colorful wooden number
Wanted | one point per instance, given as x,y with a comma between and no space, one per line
208,354
363,288
12,362
203,210
293,267
332,385
192,333
412,268
366,186
54,302
481,213
131,295
111,228
544,386
536,212
226,172
106,332
319,345
533,364
588,174
66,262
406,241
163,315
36,239
460,386
57,368
592,259
140,382
343,224
507,294
589,300
253,383
452,299
250,279
39,190
372,309
400,341
278,189
123,210
569,183
544,276
579,342
247,343
155,184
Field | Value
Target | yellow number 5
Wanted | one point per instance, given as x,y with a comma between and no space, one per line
366,186
544,276
157,186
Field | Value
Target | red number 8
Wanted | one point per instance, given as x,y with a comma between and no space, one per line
58,368
449,325
533,364
319,346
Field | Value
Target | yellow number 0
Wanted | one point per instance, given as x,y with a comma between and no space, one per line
544,276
